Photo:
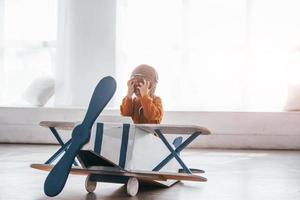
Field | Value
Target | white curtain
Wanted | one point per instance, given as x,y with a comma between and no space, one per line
63,90
85,49
27,45
212,54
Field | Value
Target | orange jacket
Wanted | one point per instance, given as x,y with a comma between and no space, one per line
143,110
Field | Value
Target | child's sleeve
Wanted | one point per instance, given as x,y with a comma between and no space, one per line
127,107
153,109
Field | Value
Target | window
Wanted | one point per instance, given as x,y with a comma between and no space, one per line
212,54
27,38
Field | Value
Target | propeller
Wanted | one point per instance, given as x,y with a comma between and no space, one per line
58,176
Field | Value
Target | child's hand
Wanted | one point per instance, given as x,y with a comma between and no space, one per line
144,88
130,91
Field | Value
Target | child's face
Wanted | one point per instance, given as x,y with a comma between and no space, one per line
137,81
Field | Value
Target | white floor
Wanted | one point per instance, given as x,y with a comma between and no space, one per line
232,175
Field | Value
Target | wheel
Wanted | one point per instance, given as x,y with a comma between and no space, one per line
132,186
90,186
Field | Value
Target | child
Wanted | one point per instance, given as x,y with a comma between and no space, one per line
145,107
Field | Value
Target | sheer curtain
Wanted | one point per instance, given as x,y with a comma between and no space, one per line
27,45
212,54
85,49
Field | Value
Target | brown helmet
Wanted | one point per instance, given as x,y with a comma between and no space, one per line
147,72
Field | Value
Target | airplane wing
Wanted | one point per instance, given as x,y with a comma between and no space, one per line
143,175
59,125
173,129
164,128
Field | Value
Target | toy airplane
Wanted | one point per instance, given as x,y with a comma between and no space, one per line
130,154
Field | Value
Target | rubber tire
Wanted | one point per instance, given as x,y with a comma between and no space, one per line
90,186
132,186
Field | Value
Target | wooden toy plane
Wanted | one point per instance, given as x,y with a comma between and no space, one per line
130,154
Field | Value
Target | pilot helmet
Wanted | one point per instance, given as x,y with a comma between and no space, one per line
144,72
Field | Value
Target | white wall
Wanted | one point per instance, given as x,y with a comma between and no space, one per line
246,130
86,48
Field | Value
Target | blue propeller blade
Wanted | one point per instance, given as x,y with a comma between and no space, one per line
58,176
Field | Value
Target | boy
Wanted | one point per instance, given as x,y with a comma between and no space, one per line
145,107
